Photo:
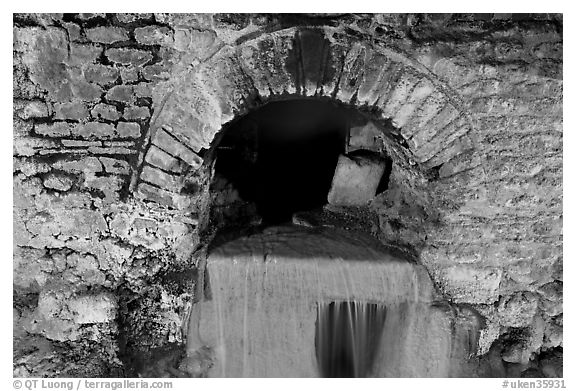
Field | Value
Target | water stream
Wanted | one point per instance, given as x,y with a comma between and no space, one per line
304,302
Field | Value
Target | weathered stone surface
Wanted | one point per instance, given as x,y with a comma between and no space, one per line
115,166
161,179
125,56
355,180
85,91
132,17
124,94
82,54
104,111
128,130
367,137
518,310
143,90
156,72
129,75
168,143
94,129
101,74
93,308
72,110
80,143
158,158
88,16
73,31
88,164
136,113
58,182
154,35
195,42
31,146
470,284
33,109
107,34
163,197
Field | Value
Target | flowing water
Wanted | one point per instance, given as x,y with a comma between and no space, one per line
304,302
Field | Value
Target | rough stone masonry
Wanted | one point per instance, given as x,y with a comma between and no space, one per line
115,117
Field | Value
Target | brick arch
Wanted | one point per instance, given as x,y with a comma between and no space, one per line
296,62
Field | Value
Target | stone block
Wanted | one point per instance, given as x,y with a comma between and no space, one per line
163,197
129,75
143,90
101,74
115,166
161,179
73,31
30,146
128,130
355,180
58,182
123,94
158,158
156,72
136,113
88,16
126,56
87,164
81,55
107,34
368,137
34,109
98,308
85,91
154,35
112,151
80,143
104,111
168,143
133,17
71,110
95,129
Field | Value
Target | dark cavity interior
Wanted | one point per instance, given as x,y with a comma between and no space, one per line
347,338
283,156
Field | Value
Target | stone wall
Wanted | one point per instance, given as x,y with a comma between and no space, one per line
114,121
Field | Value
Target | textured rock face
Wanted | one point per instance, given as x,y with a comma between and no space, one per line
114,123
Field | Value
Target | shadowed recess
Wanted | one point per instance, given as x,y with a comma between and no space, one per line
282,157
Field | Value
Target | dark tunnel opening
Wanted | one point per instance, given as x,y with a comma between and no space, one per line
283,156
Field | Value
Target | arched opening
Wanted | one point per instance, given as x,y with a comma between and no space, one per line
282,157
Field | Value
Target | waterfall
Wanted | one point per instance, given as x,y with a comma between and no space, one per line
305,302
